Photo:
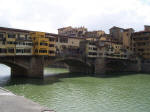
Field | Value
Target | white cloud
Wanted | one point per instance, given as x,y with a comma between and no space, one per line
49,15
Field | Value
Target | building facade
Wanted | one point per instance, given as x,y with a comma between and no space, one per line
72,32
52,44
24,44
110,49
68,45
15,42
127,38
146,28
10,43
117,33
141,44
40,43
94,34
3,48
88,49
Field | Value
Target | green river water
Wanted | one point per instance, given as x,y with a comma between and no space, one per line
128,93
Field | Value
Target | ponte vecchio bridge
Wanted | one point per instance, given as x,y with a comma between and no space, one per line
33,66
28,52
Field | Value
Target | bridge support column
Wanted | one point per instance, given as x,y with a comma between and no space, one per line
34,69
100,66
18,72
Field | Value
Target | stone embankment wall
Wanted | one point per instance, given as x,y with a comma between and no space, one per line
10,102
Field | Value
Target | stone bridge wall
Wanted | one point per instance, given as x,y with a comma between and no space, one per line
74,64
145,66
104,66
33,66
24,66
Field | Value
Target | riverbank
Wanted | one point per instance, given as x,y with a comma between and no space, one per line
10,102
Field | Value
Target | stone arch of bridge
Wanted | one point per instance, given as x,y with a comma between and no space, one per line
17,70
74,64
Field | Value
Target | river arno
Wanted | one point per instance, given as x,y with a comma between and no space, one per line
130,93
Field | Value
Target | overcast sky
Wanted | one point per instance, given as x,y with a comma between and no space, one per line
49,15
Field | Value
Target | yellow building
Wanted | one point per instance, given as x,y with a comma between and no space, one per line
40,43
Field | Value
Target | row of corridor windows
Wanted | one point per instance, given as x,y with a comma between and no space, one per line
11,50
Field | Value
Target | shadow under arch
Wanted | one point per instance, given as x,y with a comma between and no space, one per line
75,65
17,70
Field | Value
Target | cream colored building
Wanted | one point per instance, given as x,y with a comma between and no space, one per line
72,32
91,39
10,43
52,44
74,42
24,44
88,49
15,42
64,42
111,49
94,34
104,48
61,44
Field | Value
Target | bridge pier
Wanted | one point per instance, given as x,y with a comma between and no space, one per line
100,66
34,69
18,72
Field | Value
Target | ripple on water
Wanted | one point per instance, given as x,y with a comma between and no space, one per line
88,94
